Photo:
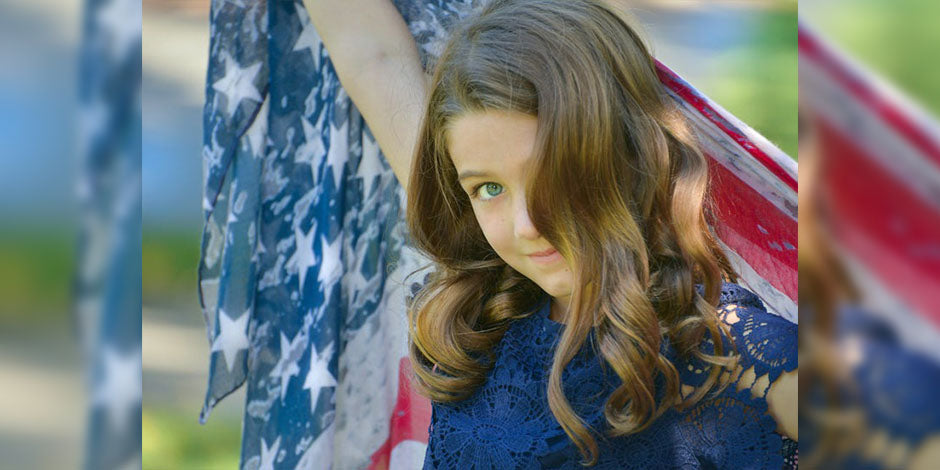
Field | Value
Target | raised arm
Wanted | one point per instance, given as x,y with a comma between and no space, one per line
377,62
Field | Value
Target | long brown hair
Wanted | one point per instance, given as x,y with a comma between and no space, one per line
628,210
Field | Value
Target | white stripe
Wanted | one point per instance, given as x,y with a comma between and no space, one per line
774,300
735,158
891,150
913,329
788,164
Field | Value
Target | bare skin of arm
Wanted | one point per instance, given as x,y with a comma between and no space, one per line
377,62
782,395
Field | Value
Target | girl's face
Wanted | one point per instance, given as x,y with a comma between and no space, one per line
491,151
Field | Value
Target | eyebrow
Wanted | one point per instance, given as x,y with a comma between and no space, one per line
471,173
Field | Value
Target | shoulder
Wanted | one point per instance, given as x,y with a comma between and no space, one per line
767,349
756,333
764,341
737,303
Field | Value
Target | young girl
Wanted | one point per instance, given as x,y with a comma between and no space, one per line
577,314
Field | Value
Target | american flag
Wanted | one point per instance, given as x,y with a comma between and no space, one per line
107,287
306,267
880,169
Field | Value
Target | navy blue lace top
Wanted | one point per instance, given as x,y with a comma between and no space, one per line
507,423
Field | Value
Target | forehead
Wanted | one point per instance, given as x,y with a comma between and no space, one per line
492,141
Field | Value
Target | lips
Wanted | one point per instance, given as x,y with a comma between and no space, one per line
544,252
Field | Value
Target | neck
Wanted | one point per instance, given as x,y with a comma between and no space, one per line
558,311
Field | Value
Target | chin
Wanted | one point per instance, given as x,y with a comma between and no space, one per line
556,288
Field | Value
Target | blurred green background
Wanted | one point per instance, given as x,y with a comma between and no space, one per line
898,40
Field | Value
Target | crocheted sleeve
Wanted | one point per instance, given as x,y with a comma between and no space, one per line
767,348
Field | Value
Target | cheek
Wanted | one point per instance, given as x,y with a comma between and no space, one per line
495,230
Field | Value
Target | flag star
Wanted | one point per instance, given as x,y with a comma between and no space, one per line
303,257
338,153
355,281
319,375
312,149
309,40
257,134
269,454
120,389
238,83
286,366
330,269
122,20
212,153
232,338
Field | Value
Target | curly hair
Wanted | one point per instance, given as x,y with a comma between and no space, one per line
630,212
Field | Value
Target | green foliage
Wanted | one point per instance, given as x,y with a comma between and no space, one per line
175,440
36,274
760,86
896,38
170,263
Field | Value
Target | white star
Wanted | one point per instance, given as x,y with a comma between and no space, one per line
354,281
233,336
269,454
303,257
308,38
120,389
286,366
319,375
237,84
257,134
312,149
302,13
330,268
212,153
338,153
122,20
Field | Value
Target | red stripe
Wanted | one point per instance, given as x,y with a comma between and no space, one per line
700,103
889,227
409,421
755,229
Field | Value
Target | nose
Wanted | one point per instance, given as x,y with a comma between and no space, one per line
522,223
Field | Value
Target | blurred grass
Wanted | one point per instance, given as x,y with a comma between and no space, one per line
38,266
764,96
35,274
170,260
172,439
898,39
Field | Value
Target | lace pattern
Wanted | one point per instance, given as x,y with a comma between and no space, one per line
507,423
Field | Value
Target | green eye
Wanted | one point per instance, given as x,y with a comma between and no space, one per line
489,191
